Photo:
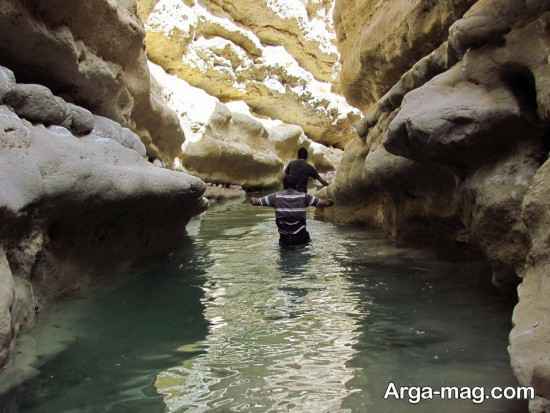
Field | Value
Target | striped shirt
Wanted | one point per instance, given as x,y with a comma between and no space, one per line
290,209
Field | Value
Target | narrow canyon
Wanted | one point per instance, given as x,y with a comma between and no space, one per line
134,131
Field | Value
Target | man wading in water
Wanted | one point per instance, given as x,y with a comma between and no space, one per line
290,209
301,171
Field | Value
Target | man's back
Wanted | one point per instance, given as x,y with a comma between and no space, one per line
290,212
291,206
301,171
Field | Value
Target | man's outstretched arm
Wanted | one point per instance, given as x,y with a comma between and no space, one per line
266,201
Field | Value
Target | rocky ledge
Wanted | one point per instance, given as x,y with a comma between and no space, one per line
77,198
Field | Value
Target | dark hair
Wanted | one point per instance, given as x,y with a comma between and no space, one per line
302,153
289,182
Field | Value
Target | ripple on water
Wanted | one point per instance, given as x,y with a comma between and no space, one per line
242,326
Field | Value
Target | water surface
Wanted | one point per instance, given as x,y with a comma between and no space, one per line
233,323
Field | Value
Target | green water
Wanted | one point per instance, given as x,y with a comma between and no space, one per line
234,324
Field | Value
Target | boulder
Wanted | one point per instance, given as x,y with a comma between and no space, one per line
36,103
107,129
80,121
235,149
457,120
61,202
491,204
94,167
488,21
7,81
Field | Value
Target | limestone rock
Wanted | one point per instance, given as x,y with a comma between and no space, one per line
72,206
234,149
229,61
37,104
81,121
455,121
7,81
91,53
491,207
17,308
380,40
424,70
95,167
7,298
474,110
107,129
488,21
530,336
228,144
303,28
408,199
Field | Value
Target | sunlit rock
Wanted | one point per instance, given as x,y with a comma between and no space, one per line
229,144
231,61
379,41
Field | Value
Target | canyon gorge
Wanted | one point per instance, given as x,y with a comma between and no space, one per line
430,119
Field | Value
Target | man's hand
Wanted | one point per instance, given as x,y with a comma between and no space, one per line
255,201
325,203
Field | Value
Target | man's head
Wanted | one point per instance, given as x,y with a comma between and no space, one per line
302,153
289,182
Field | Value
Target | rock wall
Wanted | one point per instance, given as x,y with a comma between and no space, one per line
78,198
90,53
379,40
276,56
227,144
453,146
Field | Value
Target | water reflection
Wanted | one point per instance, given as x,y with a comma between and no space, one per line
236,324
116,342
282,326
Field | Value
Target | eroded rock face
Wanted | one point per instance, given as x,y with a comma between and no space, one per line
303,28
380,40
7,298
261,64
234,149
530,337
471,115
90,53
73,205
228,145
